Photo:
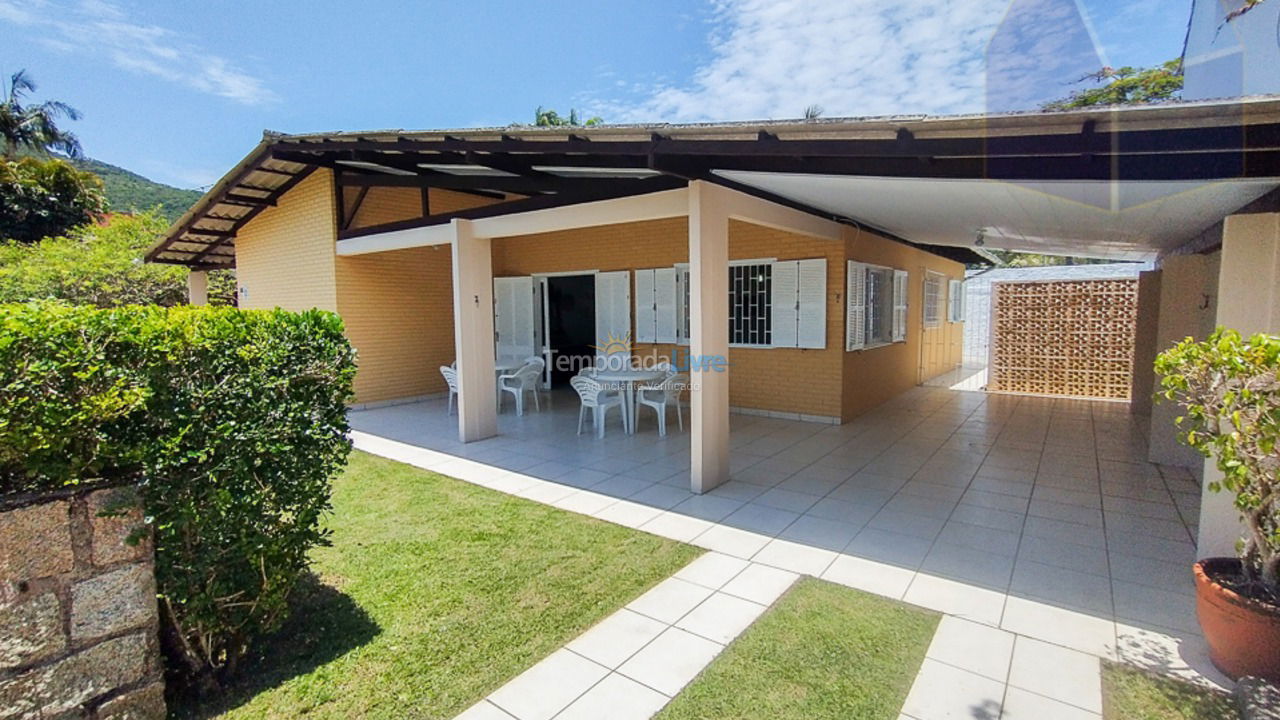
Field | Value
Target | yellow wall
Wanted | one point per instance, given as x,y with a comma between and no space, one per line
285,255
874,375
397,306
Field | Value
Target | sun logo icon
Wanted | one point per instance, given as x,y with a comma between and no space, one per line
614,344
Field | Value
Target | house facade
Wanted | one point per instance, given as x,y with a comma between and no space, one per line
819,264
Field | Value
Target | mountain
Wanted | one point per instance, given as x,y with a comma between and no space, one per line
130,191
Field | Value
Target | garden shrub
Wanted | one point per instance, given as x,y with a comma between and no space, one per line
235,420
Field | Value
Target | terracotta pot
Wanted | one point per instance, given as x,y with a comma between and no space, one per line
1243,634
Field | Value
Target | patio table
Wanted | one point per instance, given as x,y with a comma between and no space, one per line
627,378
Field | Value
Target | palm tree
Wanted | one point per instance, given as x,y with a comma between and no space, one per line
35,127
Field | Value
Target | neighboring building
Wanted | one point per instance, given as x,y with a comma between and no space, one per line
818,258
1232,59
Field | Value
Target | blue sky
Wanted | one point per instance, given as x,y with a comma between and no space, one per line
180,91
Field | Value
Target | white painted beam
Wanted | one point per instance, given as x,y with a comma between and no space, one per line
198,287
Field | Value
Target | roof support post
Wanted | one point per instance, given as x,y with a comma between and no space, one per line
473,333
198,287
1249,302
709,335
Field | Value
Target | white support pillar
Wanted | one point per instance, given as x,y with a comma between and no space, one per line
709,331
473,333
1249,302
198,287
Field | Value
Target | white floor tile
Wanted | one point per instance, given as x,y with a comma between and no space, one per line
668,663
956,598
617,637
627,514
669,600
675,526
548,687
1023,705
760,583
484,710
943,692
873,577
1053,671
978,648
618,698
721,617
1086,633
712,569
796,557
731,541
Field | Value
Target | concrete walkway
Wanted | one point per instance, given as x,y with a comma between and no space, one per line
994,655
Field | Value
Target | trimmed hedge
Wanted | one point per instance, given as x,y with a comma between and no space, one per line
235,421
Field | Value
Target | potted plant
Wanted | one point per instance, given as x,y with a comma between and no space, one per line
1231,391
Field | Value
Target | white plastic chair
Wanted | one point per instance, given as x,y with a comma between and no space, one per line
521,381
596,396
450,379
661,395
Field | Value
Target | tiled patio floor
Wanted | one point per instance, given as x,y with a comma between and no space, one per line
1032,515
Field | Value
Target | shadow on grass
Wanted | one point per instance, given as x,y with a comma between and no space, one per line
323,625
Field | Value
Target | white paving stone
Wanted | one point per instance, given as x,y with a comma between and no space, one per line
721,617
975,647
760,583
712,569
668,663
1053,671
1023,705
855,572
618,698
670,599
617,637
548,687
944,692
796,557
956,598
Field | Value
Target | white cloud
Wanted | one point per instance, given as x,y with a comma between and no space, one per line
773,58
103,28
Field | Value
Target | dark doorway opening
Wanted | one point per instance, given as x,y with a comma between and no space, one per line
571,326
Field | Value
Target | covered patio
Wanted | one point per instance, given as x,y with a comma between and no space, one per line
1037,516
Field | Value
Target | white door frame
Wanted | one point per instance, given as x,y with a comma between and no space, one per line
542,321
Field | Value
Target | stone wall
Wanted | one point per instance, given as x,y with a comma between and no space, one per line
78,615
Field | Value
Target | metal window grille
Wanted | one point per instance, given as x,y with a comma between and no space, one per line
932,300
750,304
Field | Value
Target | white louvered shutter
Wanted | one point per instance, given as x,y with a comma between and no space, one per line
664,305
613,310
646,331
855,294
955,301
513,317
811,296
900,295
783,303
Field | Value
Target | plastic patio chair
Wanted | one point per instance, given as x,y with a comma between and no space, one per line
599,398
450,379
662,395
521,381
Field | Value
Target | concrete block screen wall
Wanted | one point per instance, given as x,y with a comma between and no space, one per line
78,616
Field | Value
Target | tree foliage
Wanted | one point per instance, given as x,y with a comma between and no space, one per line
130,192
34,127
95,264
235,421
1230,387
546,117
42,198
1125,86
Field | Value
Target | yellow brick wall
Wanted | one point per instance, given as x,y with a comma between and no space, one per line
875,375
398,311
758,377
285,255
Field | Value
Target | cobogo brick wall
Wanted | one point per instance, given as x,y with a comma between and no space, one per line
78,617
1072,338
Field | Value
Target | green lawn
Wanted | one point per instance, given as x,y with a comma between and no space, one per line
1132,694
436,592
823,651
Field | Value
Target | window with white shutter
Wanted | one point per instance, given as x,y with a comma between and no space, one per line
811,304
955,301
932,311
900,294
513,320
646,312
786,279
750,298
613,313
855,317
